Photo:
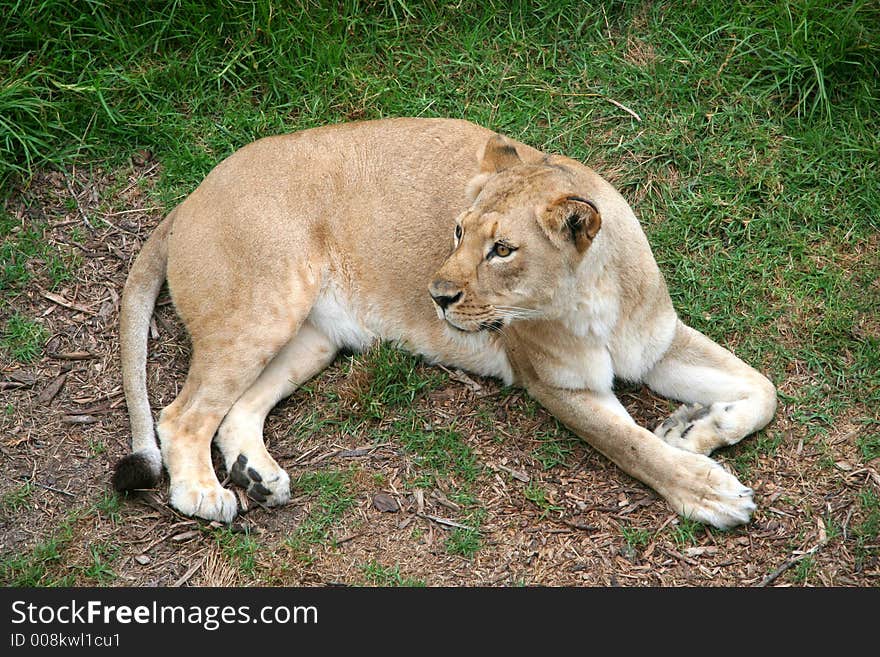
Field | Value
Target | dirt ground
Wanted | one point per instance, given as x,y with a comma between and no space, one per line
65,425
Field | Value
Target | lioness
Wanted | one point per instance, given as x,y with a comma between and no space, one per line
458,244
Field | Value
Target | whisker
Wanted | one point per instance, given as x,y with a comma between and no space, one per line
517,308
515,312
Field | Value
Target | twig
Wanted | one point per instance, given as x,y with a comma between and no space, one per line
788,564
727,58
132,211
679,555
61,301
12,385
444,521
624,108
579,525
47,487
302,457
142,175
347,538
82,212
79,419
189,573
516,474
72,355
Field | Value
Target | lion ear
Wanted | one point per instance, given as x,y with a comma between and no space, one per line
572,219
499,155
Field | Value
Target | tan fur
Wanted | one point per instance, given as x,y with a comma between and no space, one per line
299,245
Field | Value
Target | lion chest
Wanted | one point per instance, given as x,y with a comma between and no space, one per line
562,359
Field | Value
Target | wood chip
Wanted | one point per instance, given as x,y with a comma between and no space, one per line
441,499
447,522
242,500
80,419
189,573
50,391
574,524
678,555
185,536
23,378
61,301
354,453
72,355
516,474
346,538
699,551
385,503
464,379
142,559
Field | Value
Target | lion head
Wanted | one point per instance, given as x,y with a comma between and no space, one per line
517,247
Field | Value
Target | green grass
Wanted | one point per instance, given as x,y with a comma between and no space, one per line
686,532
438,453
464,542
26,255
48,563
110,506
96,446
240,548
537,495
375,574
18,499
23,338
803,569
748,453
394,380
637,538
867,530
332,495
102,555
444,460
43,565
555,447
869,441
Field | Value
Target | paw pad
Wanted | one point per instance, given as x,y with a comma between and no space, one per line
678,429
249,479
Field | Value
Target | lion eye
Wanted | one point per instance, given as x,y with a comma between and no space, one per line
457,232
502,250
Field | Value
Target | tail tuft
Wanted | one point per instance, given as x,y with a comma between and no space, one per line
137,470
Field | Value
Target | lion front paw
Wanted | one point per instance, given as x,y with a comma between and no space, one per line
263,480
211,502
704,491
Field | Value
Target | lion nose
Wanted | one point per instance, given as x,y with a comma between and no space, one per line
445,293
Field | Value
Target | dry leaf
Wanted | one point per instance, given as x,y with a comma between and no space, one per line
385,503
49,392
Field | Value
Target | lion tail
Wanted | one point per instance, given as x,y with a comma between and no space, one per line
142,468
